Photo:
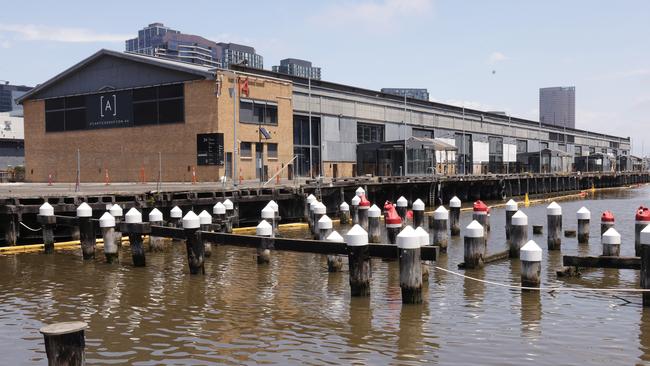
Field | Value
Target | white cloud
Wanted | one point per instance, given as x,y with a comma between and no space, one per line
36,32
497,56
5,44
469,104
378,15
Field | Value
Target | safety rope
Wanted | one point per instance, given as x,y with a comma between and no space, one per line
29,228
549,289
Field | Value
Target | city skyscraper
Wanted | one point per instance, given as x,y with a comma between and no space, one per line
557,106
8,95
297,67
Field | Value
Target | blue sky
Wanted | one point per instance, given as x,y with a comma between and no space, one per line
450,47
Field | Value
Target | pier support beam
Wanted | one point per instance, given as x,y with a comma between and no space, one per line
454,216
554,226
358,261
410,266
194,244
86,231
584,216
107,226
48,222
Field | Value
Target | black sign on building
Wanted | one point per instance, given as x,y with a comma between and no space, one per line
107,110
209,149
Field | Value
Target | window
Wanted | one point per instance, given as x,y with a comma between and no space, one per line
543,145
245,150
158,105
259,112
65,114
369,133
272,150
522,146
420,132
578,151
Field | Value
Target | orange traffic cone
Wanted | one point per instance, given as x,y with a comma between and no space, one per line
193,175
49,179
240,177
107,180
142,177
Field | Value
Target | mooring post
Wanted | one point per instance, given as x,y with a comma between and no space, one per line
607,221
511,208
393,225
312,217
118,213
454,216
518,233
584,216
48,222
134,216
205,222
193,243
642,219
531,264
418,213
410,266
374,224
175,220
611,241
364,205
268,215
276,216
334,261
474,245
423,240
107,225
344,213
360,192
264,230
402,206
230,214
480,215
319,211
355,209
65,343
554,226
219,212
309,201
439,226
324,227
156,243
86,231
358,261
645,264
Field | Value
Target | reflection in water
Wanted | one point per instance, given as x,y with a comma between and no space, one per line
474,291
644,335
531,314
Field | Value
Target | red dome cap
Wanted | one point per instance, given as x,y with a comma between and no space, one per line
642,214
364,201
391,218
480,206
607,216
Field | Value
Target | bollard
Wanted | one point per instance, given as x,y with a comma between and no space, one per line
205,222
175,218
393,225
230,214
86,231
134,216
194,245
554,226
454,216
474,248
531,264
355,210
276,217
374,226
511,208
611,241
324,227
358,261
423,240
480,215
644,274
334,262
439,227
360,192
584,216
307,210
48,222
642,219
265,230
518,233
364,205
402,205
311,220
268,215
65,343
606,221
107,225
410,266
118,213
344,213
156,243
319,211
418,213
219,212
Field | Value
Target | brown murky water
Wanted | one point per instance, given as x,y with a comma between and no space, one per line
294,312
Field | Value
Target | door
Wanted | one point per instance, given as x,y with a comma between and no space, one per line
259,160
229,165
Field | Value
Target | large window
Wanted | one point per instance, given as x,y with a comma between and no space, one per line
258,112
272,150
158,105
522,146
65,114
245,150
420,132
367,132
306,145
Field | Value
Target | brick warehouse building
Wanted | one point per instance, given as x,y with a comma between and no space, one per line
125,115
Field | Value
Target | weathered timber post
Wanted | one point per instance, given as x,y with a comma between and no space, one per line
611,241
518,233
134,216
65,343
175,220
424,240
156,243
454,216
439,226
393,224
607,221
344,213
107,225
312,220
511,208
86,231
118,214
219,212
276,216
324,227
358,261
474,245
531,264
194,245
205,222
374,225
410,266
645,264
48,222
307,209
418,213
480,215
319,211
264,230
268,215
230,214
642,219
334,261
364,205
554,226
402,205
584,216
355,209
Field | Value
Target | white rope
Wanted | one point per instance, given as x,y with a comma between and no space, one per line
29,228
550,289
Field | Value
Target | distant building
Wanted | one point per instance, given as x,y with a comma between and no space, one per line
557,106
12,141
296,67
8,95
422,94
232,53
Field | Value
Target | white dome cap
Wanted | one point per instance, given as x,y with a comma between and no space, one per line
356,236
324,222
273,205
344,206
583,213
228,203
611,236
116,210
219,209
320,209
511,205
418,205
176,212
46,210
355,201
374,211
264,229
402,202
155,215
408,238
133,216
441,213
84,210
423,235
311,198
107,220
268,213
474,230
519,219
454,202
191,221
335,237
360,191
554,209
530,252
205,218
